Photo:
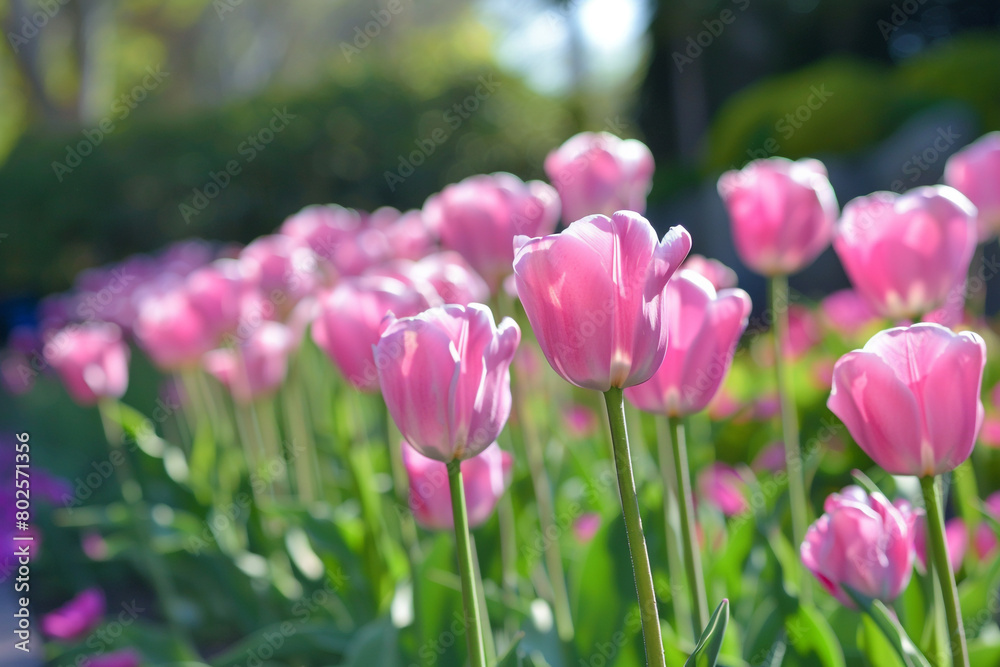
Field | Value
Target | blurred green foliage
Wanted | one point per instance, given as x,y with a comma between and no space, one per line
339,144
843,105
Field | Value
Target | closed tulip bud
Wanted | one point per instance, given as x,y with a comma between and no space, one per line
91,360
863,542
485,478
258,366
956,536
910,397
599,173
282,268
721,276
594,295
721,485
77,617
704,328
907,253
782,213
975,172
445,378
480,216
349,320
984,542
216,292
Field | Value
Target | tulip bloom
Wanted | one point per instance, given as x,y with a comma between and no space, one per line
445,377
599,173
956,537
594,295
349,320
216,292
906,253
975,172
77,617
985,540
485,478
863,542
704,328
721,276
782,213
847,312
721,485
172,330
258,366
91,359
480,216
910,397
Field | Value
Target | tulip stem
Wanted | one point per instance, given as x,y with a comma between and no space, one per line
615,400
141,518
931,488
692,556
671,517
790,428
474,631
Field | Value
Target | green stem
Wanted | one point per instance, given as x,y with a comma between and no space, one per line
474,632
141,519
692,556
671,520
547,522
790,428
633,529
935,537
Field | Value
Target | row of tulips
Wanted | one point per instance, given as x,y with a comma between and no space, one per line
397,301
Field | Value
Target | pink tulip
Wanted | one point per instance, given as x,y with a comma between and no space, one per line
216,291
258,366
172,331
408,235
445,377
975,171
91,359
324,230
722,486
485,478
704,328
480,216
771,458
594,296
349,320
956,536
782,213
863,542
985,540
907,253
281,268
76,618
580,421
586,526
599,173
847,312
989,435
452,278
721,276
803,332
125,658
910,397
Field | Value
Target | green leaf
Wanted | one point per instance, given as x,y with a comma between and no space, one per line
706,653
905,648
809,631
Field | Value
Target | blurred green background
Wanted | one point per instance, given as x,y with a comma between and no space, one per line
706,84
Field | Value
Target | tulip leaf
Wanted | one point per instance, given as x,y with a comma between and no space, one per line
808,631
905,648
706,653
